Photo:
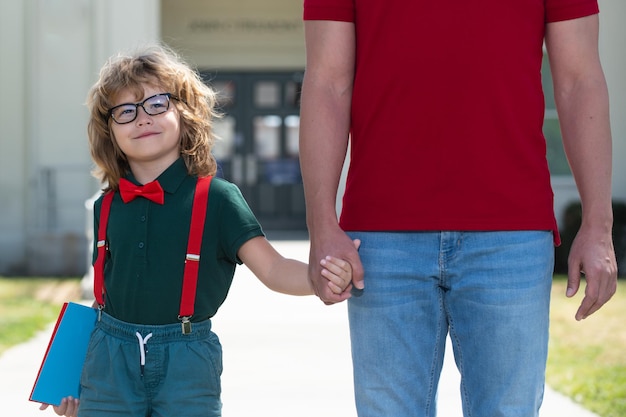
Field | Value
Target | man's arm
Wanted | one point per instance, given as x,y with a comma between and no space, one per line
583,106
324,131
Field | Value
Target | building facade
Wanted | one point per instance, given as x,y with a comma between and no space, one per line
250,51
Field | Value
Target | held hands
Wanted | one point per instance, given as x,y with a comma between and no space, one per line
68,407
338,272
333,240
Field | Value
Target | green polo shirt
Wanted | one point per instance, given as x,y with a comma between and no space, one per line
148,242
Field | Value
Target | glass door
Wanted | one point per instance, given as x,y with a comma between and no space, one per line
258,145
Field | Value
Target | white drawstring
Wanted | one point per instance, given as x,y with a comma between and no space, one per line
142,349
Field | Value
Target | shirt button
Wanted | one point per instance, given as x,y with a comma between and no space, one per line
143,218
140,245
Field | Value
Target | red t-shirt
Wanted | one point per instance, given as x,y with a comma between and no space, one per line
447,113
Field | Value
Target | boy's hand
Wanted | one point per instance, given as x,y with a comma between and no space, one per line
68,407
338,272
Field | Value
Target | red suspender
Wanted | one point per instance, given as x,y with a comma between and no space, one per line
192,259
98,268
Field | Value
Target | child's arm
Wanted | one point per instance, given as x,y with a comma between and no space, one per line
289,276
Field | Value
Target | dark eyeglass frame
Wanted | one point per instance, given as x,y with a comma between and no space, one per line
141,104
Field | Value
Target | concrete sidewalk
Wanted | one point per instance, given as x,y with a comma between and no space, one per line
283,357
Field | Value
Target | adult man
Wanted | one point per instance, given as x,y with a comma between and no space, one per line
449,189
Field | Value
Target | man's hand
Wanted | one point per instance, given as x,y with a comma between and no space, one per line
593,256
335,243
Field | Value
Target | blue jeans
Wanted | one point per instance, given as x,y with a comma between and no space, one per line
489,290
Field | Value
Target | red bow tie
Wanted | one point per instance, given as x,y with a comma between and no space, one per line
152,191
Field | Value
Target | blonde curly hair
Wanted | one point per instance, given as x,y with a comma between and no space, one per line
159,66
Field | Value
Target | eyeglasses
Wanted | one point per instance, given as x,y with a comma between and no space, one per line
127,112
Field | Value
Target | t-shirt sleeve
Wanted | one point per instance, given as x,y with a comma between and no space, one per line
559,10
337,10
237,223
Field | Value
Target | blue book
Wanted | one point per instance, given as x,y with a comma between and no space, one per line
59,374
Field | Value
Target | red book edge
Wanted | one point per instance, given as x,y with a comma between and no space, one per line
54,332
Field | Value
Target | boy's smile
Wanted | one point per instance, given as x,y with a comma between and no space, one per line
146,134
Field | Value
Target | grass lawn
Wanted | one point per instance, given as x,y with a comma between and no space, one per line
587,359
28,305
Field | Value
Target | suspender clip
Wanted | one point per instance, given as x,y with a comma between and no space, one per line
185,324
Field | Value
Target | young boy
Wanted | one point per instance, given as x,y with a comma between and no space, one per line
152,352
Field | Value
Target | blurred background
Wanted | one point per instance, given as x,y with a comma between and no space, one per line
250,51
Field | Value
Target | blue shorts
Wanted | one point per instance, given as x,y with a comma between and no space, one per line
143,370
